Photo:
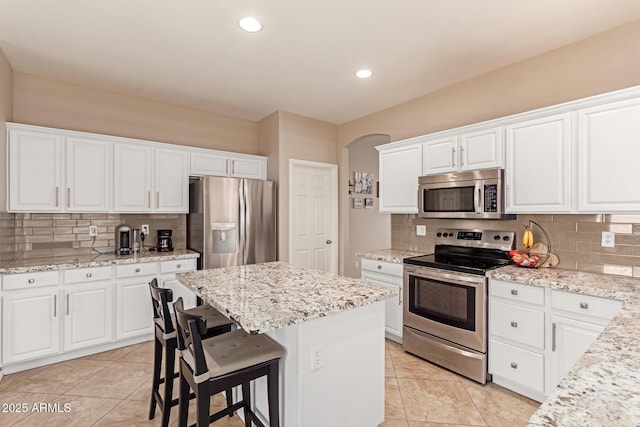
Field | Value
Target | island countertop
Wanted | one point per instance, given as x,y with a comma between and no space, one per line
603,388
268,296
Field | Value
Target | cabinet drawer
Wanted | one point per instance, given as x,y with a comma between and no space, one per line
520,324
517,292
133,270
85,275
515,364
604,308
30,280
177,265
382,267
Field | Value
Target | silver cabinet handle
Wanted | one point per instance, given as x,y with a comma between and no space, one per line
32,280
584,305
233,167
226,166
89,274
57,196
55,305
514,365
514,292
157,199
68,197
379,267
453,156
149,199
137,270
461,156
514,324
179,266
553,337
67,304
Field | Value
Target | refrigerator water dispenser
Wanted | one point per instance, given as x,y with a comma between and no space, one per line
224,237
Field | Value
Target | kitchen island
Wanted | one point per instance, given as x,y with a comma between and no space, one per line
332,328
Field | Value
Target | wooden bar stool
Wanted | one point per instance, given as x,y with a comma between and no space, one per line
166,339
208,366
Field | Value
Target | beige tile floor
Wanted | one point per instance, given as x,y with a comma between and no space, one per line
113,389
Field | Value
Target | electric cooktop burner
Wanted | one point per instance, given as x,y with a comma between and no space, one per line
468,251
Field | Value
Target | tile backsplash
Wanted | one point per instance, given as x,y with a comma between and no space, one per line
41,235
575,239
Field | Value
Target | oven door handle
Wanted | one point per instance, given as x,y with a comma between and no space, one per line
442,275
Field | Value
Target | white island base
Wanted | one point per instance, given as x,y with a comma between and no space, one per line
346,387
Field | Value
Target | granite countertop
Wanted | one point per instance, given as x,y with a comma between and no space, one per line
85,258
264,297
603,388
388,255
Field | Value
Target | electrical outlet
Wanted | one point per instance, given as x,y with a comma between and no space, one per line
421,230
608,239
93,230
144,228
316,358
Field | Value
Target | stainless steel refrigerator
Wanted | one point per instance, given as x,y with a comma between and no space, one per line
232,221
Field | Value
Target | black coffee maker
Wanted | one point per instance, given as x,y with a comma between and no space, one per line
164,241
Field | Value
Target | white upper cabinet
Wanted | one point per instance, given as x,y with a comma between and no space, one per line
211,163
35,170
133,177
538,165
400,167
608,154
88,175
171,180
464,151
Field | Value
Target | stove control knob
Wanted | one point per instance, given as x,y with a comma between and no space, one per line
438,234
496,237
506,238
450,234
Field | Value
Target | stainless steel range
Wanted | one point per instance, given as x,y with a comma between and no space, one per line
445,299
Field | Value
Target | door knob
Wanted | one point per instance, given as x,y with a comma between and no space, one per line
329,242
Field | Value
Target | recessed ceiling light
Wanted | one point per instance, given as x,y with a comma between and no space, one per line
250,24
364,73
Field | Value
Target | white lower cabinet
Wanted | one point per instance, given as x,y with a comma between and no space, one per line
168,270
88,316
536,335
134,312
390,275
30,324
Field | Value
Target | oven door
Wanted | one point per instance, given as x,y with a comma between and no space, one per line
446,304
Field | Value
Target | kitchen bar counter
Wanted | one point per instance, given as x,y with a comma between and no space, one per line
388,255
603,388
84,258
332,328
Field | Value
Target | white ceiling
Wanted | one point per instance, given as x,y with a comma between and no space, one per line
191,52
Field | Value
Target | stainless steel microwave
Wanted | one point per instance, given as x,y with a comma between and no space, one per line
473,194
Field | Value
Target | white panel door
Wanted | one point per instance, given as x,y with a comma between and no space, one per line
538,165
440,156
88,316
608,153
35,169
134,312
88,173
171,181
133,178
482,149
399,171
313,215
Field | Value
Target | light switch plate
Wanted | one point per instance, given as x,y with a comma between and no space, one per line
608,239
421,230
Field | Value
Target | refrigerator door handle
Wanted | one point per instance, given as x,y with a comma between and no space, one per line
243,222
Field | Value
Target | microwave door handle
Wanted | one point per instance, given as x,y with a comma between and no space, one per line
478,199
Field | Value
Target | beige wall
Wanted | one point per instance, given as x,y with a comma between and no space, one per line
45,102
6,115
284,136
603,63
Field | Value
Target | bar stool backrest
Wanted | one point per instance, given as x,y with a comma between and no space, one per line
191,327
161,297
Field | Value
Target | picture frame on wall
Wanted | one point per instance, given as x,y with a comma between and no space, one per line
357,203
368,203
363,182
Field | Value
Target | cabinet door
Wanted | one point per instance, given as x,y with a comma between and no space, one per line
88,315
399,172
133,178
35,169
440,156
208,164
393,308
608,151
30,325
482,149
189,298
88,173
248,168
171,181
538,165
570,339
134,313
